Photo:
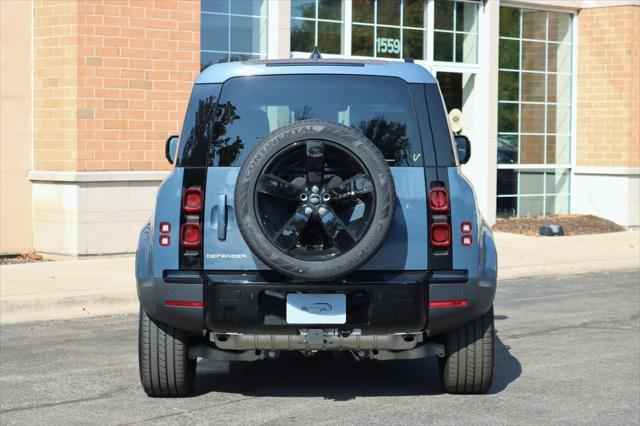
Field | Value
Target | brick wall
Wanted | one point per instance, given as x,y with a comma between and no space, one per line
55,84
608,75
121,71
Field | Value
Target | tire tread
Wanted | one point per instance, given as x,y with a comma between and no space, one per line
163,353
469,357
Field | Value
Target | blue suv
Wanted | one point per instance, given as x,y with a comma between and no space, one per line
316,205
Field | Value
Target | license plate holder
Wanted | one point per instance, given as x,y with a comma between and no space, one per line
316,308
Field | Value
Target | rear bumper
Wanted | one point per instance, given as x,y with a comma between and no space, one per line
476,292
378,303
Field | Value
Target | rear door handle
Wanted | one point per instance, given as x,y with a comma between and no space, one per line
222,216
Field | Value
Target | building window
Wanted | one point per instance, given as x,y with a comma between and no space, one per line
388,29
232,30
317,23
455,37
534,112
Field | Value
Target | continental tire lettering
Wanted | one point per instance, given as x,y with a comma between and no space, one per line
264,248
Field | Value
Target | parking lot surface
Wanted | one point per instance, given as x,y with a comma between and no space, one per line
568,351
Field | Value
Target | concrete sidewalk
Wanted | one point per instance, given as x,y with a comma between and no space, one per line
103,286
67,289
522,256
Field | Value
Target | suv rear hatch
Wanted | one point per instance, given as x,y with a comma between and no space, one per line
248,108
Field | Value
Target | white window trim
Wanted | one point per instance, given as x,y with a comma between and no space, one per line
228,15
427,62
537,7
573,106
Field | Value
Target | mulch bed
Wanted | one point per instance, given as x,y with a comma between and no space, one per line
573,224
21,258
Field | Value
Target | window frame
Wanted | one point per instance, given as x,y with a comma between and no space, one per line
455,32
428,62
400,27
316,20
545,167
229,15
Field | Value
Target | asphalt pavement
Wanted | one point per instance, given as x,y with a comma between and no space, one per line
568,351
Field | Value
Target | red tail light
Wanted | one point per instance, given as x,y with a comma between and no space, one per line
192,200
438,200
448,304
190,235
440,235
184,303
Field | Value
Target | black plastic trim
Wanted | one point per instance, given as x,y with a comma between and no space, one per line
442,138
267,277
420,107
374,308
455,276
315,64
192,259
439,259
182,277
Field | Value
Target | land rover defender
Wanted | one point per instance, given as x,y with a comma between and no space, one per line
316,205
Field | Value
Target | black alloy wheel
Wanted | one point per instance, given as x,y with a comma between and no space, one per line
315,200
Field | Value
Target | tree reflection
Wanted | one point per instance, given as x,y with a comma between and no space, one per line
303,31
390,137
196,143
303,113
220,150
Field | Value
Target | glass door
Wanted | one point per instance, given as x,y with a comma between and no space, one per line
457,90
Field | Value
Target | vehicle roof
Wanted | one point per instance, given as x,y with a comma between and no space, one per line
408,71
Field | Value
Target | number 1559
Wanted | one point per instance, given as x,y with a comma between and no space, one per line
387,45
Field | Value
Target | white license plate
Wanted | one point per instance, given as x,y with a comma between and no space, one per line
316,308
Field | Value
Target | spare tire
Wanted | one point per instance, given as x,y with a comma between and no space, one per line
315,200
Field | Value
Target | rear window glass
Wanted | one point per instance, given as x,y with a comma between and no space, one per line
251,107
198,125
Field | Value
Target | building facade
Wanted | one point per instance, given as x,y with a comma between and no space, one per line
548,92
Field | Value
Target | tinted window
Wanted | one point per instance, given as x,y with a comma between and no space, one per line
198,125
379,107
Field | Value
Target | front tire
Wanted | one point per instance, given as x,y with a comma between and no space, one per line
163,353
468,363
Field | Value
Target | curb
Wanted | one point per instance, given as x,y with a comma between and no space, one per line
23,309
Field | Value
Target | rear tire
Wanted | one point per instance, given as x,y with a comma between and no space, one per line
467,366
163,353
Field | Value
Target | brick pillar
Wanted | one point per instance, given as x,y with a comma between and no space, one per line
137,61
607,174
55,84
609,87
112,81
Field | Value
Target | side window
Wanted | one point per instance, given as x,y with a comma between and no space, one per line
198,125
224,147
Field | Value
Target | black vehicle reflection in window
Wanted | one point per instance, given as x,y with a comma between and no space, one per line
379,107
